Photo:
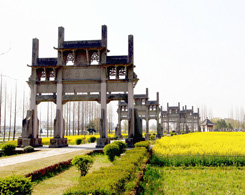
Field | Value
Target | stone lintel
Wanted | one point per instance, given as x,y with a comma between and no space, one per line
92,97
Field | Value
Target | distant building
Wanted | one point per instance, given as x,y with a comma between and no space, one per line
207,125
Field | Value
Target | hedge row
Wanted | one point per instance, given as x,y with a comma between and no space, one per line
198,160
49,170
113,179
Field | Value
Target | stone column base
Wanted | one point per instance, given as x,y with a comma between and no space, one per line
101,142
130,142
147,136
34,142
158,136
58,143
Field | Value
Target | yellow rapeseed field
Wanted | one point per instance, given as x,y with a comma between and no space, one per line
210,143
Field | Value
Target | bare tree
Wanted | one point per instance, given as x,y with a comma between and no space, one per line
23,114
1,87
10,115
47,119
109,119
78,118
40,123
15,110
73,118
5,110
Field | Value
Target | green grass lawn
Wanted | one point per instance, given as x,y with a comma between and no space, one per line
30,166
69,178
194,180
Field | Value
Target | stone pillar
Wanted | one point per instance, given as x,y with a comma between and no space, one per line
130,110
30,123
119,129
147,137
131,125
59,140
198,121
192,120
103,140
103,53
104,36
61,37
159,129
167,119
178,119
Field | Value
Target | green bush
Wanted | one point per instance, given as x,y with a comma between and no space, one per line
173,133
112,179
8,149
28,149
92,139
83,163
145,144
115,137
152,137
122,146
111,150
15,185
78,141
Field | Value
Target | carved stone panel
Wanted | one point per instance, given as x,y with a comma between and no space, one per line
76,73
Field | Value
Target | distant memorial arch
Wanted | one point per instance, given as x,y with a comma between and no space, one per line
186,119
147,110
55,80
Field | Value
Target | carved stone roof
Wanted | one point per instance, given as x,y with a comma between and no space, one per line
117,60
140,96
173,107
152,102
81,44
207,122
47,61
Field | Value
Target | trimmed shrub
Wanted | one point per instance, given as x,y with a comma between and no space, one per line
112,179
78,141
92,139
83,163
145,144
8,149
111,150
28,149
122,146
152,137
15,185
173,133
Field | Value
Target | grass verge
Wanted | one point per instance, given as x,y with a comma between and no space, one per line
67,179
194,180
30,166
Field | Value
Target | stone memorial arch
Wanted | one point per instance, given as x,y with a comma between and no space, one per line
73,77
186,119
146,109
